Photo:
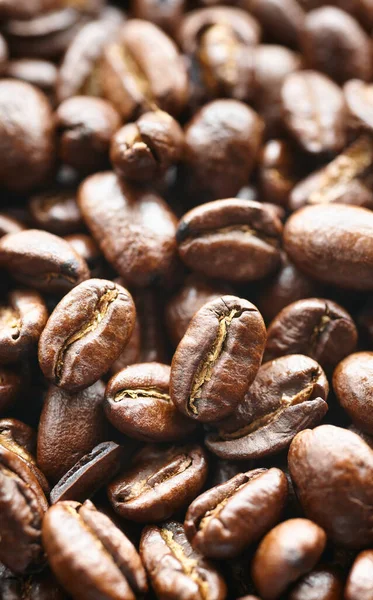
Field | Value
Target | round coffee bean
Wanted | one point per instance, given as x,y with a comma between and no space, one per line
360,580
320,584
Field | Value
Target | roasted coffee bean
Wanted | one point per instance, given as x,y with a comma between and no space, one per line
287,552
79,73
144,150
360,580
236,240
159,482
288,395
316,327
41,586
89,474
9,225
314,111
166,15
175,569
226,519
221,146
25,9
23,505
90,556
351,384
87,248
11,386
28,152
332,243
86,332
19,434
70,426
85,127
42,260
333,42
196,292
282,19
143,70
22,320
277,172
56,211
347,179
138,403
359,100
217,359
134,227
320,584
39,73
332,470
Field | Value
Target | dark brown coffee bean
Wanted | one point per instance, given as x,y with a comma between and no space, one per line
27,152
85,127
196,292
134,227
42,260
277,172
236,240
138,403
351,384
22,508
143,70
332,243
334,43
320,584
79,73
56,211
19,434
70,426
25,9
9,225
332,471
217,359
282,20
288,395
21,322
86,332
11,385
347,179
144,150
89,474
314,111
175,569
360,580
287,552
316,327
221,145
166,15
39,73
359,100
159,482
226,519
90,556
42,586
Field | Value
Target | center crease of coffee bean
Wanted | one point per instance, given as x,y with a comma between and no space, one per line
138,393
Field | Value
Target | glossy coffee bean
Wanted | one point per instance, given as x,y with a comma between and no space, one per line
18,434
351,384
89,555
360,580
42,260
86,332
22,320
236,240
11,386
70,426
217,359
332,243
220,159
138,403
89,474
176,570
333,42
346,179
85,127
56,211
320,584
288,394
226,519
23,505
159,482
26,150
332,469
314,111
143,69
37,72
282,20
316,327
144,150
134,227
287,552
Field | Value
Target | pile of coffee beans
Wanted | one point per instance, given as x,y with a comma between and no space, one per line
186,300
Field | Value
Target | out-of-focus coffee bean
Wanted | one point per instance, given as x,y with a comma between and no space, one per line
320,584
282,20
56,211
87,248
351,384
40,73
360,580
26,9
167,15
277,172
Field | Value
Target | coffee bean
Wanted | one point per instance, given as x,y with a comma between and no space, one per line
277,172
320,584
359,100
41,586
25,9
11,386
39,73
159,482
9,225
56,211
283,20
217,359
132,352
360,580
166,15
